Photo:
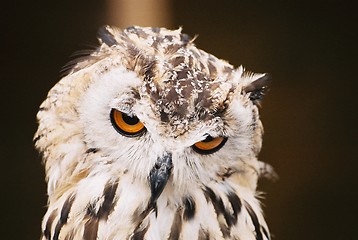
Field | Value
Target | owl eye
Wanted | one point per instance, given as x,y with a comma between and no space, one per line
129,126
209,145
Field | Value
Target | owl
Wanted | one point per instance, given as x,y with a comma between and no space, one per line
149,137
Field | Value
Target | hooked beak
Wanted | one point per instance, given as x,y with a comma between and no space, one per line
159,176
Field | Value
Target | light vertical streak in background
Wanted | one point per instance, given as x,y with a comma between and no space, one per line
146,13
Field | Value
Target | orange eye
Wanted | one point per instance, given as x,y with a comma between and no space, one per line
209,145
126,125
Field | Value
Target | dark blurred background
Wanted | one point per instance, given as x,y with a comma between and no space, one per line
309,47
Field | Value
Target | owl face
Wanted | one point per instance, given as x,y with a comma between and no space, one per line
150,109
171,98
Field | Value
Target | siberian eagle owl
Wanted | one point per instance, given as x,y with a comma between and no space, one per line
149,137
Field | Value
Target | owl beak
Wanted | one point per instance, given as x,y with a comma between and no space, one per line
159,176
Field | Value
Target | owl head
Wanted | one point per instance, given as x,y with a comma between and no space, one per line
151,108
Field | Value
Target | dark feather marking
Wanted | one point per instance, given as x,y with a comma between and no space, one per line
92,150
43,109
106,36
254,220
135,94
164,117
66,209
91,226
257,88
156,29
37,138
176,61
176,226
227,70
226,174
258,83
78,57
149,76
169,38
149,71
265,232
91,210
138,215
224,229
219,209
189,210
185,38
203,235
138,31
134,53
108,204
130,29
235,204
47,231
139,234
212,69
63,216
155,209
91,229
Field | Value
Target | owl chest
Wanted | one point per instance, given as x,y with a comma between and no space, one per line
193,217
206,213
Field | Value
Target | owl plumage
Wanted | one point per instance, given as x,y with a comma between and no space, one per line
149,137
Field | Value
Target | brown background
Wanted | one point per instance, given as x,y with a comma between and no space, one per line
310,49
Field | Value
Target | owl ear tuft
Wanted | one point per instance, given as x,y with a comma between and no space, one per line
257,87
106,36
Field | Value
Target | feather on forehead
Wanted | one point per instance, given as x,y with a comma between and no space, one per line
181,80
178,77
